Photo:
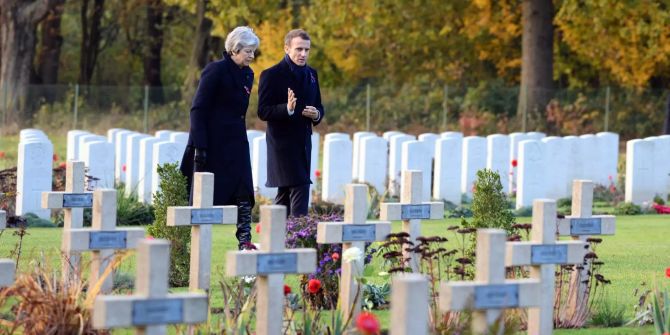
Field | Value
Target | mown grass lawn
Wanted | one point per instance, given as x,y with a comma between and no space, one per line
639,252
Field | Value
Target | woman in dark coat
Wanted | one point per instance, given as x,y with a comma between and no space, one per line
217,140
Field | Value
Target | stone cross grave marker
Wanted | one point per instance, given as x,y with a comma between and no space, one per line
543,253
411,210
7,266
353,232
151,308
201,216
72,201
490,293
582,224
103,237
270,264
409,304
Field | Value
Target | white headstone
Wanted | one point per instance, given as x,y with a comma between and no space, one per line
163,134
356,158
73,143
534,135
252,134
180,138
608,149
259,169
98,156
415,156
163,152
497,158
133,162
451,134
514,140
332,136
474,159
33,175
447,177
82,139
314,163
120,154
640,183
336,169
661,165
587,152
556,167
429,139
571,144
373,168
532,178
395,161
388,134
146,167
111,135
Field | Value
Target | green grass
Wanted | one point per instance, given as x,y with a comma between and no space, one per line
639,252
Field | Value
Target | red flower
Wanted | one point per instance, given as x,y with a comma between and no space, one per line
335,256
367,323
514,163
667,272
123,168
313,286
317,173
258,228
287,289
2,154
149,237
62,165
55,158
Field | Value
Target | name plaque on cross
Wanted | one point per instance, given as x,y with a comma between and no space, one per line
585,226
411,212
358,232
496,296
276,263
78,200
207,216
107,240
548,254
157,312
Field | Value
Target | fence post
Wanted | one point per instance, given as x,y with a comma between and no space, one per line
445,107
146,107
76,105
367,109
607,108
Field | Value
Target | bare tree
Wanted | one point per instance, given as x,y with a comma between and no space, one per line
537,56
198,58
51,43
153,48
18,30
91,34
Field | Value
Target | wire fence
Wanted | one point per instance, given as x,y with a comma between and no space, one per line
423,107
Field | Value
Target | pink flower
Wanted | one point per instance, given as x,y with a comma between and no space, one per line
335,256
123,168
667,272
317,173
55,158
62,165
2,154
258,228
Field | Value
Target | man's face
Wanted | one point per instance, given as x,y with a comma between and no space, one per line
298,50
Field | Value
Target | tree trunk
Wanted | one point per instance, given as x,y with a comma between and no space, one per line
90,38
18,30
537,58
198,58
152,54
52,41
666,122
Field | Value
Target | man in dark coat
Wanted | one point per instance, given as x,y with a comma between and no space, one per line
290,101
217,140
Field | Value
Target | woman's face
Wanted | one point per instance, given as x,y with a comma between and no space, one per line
244,57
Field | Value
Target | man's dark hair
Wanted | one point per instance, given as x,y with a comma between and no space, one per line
295,33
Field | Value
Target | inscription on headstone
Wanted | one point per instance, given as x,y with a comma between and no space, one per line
99,240
78,200
207,216
585,226
358,232
496,296
411,212
277,263
549,254
157,312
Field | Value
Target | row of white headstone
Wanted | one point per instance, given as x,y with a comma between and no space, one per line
34,171
647,169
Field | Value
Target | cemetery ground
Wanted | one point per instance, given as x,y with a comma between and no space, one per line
633,256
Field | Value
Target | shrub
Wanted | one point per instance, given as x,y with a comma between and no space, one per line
609,314
659,200
172,192
460,212
35,221
131,212
489,203
627,208
376,296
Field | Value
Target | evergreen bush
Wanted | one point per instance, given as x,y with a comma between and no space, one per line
489,203
172,192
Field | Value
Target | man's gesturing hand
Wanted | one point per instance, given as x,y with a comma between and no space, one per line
291,100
